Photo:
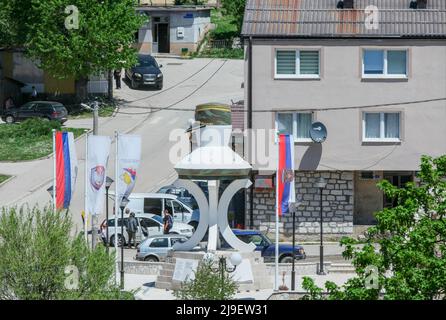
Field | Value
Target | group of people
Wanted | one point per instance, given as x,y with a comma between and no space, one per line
132,226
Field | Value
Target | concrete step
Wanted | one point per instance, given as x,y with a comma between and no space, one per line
341,268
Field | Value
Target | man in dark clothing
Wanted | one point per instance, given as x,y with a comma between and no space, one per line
168,221
131,229
118,78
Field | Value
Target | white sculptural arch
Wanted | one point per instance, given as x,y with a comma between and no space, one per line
214,215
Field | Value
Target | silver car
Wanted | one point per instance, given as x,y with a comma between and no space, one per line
148,225
155,249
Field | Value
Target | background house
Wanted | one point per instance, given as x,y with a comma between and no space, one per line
16,66
173,29
311,55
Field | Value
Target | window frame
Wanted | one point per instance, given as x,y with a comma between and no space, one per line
295,137
297,74
382,127
385,75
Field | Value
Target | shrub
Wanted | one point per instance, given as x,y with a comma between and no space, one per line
41,261
207,285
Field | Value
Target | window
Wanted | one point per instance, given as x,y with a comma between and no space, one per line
160,243
297,64
153,206
384,63
380,126
296,124
149,223
173,241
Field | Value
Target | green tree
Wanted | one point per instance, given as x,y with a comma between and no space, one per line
236,9
102,41
407,246
207,285
40,260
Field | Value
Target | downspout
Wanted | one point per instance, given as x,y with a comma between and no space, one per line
251,190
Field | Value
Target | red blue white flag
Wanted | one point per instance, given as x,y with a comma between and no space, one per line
66,168
286,193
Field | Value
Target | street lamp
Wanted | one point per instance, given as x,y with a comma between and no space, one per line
293,209
108,182
321,184
235,259
124,203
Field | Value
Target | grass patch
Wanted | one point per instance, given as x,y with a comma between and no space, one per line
105,111
29,140
3,178
222,54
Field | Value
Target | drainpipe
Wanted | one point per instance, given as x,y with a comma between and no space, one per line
251,196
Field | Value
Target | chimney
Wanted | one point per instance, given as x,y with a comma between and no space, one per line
346,4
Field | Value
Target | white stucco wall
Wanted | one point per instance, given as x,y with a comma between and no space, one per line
423,125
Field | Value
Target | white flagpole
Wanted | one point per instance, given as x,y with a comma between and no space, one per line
276,275
86,190
54,172
116,205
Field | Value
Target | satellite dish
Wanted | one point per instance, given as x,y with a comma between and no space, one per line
318,132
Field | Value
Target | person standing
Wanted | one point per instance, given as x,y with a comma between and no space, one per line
34,93
168,221
132,227
118,75
9,103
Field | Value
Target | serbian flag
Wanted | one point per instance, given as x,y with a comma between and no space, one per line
66,168
285,174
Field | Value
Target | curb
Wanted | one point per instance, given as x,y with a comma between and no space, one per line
7,180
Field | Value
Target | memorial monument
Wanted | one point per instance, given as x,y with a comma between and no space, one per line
214,161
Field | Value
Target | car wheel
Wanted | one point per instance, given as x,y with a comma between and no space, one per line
121,240
286,259
160,87
151,259
134,85
9,119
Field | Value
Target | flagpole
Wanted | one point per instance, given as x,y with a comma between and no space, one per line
276,275
116,206
54,172
86,191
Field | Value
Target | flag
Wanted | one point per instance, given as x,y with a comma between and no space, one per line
129,158
285,174
98,151
66,168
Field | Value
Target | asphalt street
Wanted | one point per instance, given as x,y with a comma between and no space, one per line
146,112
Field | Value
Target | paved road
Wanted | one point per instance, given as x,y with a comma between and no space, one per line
207,80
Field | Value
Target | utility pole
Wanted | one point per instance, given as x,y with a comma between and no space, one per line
94,232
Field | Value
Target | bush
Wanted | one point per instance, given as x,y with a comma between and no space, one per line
222,53
207,285
410,261
34,127
40,260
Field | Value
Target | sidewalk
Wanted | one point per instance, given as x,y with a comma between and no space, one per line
145,286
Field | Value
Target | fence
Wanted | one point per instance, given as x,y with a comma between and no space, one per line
225,44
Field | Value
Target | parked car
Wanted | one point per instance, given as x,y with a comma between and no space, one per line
148,225
182,194
154,249
267,247
37,109
156,203
146,73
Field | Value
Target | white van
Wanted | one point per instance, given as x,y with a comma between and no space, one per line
156,203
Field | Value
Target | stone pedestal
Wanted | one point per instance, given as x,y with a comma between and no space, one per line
261,278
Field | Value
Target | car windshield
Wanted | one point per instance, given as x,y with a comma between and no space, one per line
158,218
146,62
266,239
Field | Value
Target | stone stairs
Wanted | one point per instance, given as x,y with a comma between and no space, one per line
259,272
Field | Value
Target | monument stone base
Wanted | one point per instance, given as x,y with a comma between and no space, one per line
251,275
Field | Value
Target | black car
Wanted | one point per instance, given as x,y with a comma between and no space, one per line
37,109
146,73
